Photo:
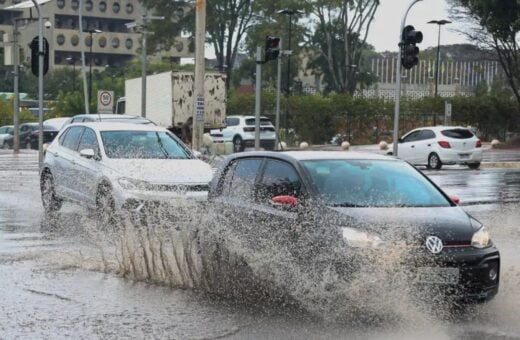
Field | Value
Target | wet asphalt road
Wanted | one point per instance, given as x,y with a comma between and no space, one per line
60,287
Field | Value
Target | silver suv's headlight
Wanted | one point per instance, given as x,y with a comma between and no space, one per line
132,184
481,239
360,239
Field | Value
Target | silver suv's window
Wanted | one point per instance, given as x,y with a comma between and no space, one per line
143,145
89,141
71,139
232,121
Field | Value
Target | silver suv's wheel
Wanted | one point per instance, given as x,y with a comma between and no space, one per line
50,201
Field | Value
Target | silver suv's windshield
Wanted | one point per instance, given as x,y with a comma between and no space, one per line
142,144
372,183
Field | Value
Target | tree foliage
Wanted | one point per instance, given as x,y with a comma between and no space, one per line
496,23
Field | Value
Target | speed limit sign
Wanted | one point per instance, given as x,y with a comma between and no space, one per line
105,101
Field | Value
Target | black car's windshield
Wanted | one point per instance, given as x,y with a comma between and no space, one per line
372,183
142,144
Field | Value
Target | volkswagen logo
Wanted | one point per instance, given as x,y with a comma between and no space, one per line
434,244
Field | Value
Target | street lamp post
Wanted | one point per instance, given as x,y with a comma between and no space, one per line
290,13
72,61
91,32
439,23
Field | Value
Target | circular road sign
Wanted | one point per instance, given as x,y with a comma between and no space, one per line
105,98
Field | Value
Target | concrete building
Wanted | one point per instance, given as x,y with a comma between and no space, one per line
115,44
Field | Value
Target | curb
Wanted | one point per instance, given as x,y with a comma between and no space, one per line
508,165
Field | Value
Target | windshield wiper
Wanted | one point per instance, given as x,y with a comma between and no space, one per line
348,205
166,154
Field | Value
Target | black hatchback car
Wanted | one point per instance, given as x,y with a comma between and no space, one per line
354,199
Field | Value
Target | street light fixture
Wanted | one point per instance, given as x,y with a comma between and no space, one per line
290,13
91,32
438,23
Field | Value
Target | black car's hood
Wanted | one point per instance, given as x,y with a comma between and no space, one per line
451,224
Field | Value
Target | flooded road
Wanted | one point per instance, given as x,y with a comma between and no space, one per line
65,285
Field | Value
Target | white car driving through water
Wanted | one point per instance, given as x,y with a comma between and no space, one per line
440,145
111,167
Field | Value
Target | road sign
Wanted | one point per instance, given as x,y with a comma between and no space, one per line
447,113
200,109
105,102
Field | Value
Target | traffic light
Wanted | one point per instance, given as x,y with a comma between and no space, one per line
34,56
409,50
272,48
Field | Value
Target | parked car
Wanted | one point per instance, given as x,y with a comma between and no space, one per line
26,130
353,201
112,167
440,145
240,130
112,118
6,132
51,127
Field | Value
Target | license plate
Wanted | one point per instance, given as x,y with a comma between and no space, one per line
464,155
437,275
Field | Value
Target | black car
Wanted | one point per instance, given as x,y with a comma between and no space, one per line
31,140
26,130
360,203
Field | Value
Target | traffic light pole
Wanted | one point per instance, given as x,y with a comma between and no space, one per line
200,65
258,95
16,108
278,94
398,81
40,83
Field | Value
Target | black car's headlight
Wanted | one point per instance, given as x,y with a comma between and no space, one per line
360,239
481,239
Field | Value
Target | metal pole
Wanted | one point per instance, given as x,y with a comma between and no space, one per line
74,75
200,65
83,72
258,95
437,74
398,84
16,107
289,58
90,67
278,95
143,73
40,83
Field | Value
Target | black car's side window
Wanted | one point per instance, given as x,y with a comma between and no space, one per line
89,141
279,179
71,139
242,182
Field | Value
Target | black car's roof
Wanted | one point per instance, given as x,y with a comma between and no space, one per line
295,156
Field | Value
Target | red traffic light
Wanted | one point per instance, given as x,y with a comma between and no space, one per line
272,48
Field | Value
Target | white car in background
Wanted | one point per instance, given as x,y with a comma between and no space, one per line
5,133
240,130
112,167
441,145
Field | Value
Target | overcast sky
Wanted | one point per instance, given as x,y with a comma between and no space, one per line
384,32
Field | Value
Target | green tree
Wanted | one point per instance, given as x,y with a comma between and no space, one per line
496,24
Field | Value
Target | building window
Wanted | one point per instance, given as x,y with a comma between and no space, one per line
89,5
102,6
60,39
74,4
129,8
74,40
57,58
60,3
88,41
2,33
102,42
179,46
129,43
98,61
115,42
116,7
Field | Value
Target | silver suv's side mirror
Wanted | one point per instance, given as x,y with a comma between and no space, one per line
87,153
